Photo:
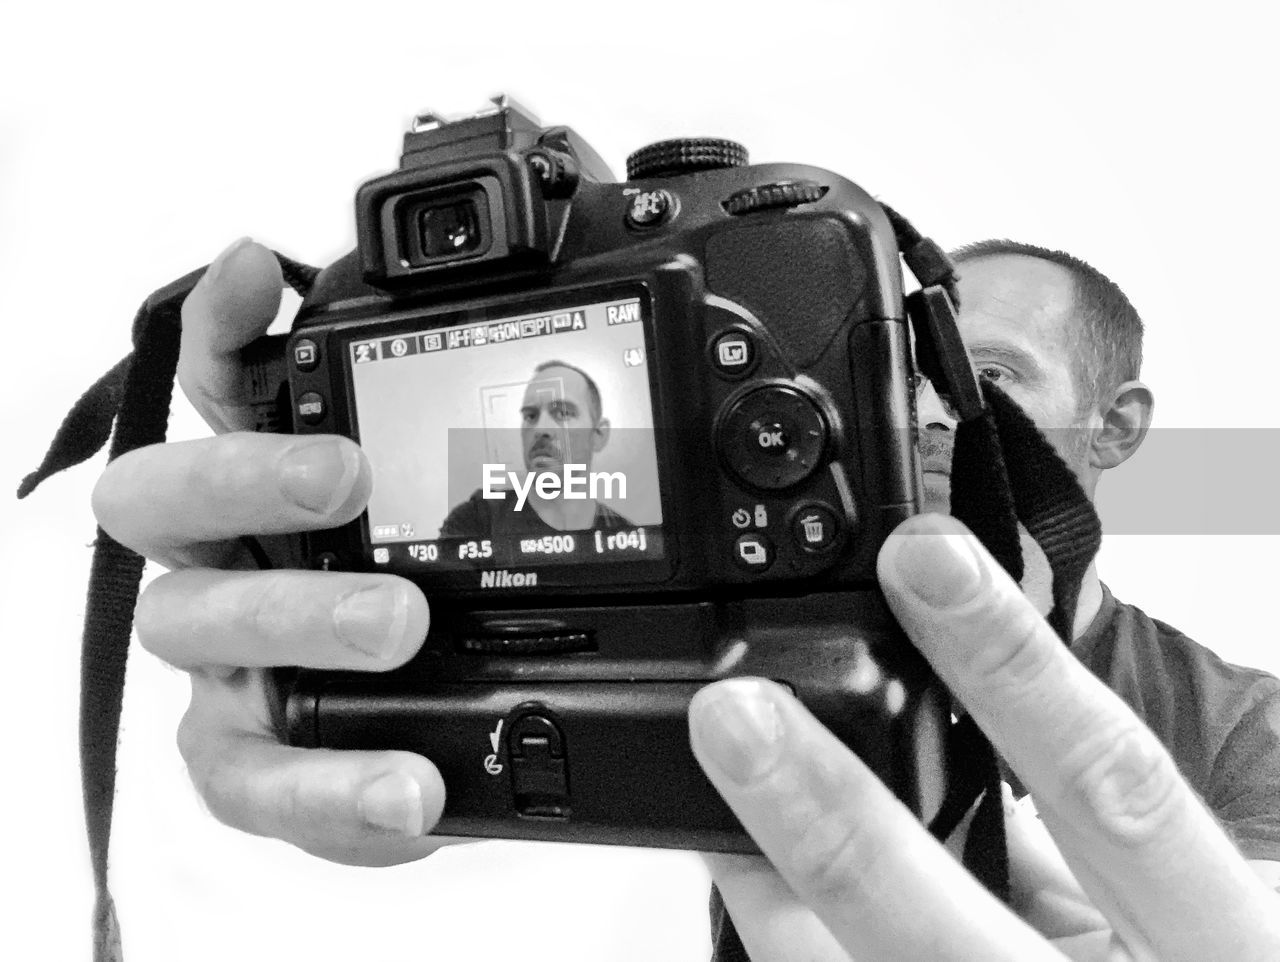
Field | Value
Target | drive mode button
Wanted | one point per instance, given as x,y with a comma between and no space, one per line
754,551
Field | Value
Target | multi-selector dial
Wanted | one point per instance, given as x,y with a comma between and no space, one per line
772,438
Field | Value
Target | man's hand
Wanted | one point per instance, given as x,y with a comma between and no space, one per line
184,505
850,873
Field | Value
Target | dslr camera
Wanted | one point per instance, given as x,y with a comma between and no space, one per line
629,438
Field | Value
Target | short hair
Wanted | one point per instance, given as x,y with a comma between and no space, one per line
1108,340
591,384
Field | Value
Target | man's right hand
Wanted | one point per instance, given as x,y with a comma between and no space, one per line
184,505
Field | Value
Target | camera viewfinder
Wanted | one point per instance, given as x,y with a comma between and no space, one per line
442,228
451,228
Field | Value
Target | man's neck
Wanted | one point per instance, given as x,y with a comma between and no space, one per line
1037,582
1089,602
563,514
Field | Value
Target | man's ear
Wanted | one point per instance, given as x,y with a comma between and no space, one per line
600,436
1124,425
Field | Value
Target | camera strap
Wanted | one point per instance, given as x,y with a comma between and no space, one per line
134,395
1003,471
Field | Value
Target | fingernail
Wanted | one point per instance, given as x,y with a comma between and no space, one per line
937,563
215,269
1007,800
393,802
318,475
373,620
739,728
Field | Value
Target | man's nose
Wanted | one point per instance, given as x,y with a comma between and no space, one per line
930,411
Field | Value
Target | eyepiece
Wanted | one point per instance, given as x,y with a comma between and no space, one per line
453,227
440,228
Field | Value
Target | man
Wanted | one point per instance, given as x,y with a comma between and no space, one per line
847,870
1066,344
561,423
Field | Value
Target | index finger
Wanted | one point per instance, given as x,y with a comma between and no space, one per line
231,305
174,502
1137,835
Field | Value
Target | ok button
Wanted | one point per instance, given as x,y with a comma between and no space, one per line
768,437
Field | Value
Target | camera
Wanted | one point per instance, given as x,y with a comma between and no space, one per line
629,438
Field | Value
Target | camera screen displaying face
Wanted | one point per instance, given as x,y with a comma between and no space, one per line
511,438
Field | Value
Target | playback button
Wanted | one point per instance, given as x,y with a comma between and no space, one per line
753,551
306,354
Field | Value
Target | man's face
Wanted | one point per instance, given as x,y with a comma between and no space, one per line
1016,320
558,423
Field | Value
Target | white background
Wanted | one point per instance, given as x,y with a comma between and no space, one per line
136,140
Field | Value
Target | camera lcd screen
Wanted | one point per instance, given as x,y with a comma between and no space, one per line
511,438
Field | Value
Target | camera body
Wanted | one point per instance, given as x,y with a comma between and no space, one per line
728,345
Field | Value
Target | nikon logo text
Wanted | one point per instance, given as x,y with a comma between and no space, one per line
576,484
502,578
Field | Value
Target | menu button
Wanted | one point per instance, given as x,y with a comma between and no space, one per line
311,408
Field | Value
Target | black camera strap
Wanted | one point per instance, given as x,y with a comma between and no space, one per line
135,395
1003,470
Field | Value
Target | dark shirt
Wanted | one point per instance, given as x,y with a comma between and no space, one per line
481,517
1220,722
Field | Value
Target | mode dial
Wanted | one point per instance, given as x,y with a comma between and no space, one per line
688,155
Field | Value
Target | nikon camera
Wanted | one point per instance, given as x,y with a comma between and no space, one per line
629,438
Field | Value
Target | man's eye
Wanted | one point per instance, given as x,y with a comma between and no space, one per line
993,373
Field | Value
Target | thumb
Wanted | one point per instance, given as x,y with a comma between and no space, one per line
233,303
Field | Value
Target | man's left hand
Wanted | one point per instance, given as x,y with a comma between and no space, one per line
850,873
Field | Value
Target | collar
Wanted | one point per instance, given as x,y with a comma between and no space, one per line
1083,646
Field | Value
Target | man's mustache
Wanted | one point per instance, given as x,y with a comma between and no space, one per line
545,446
935,450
